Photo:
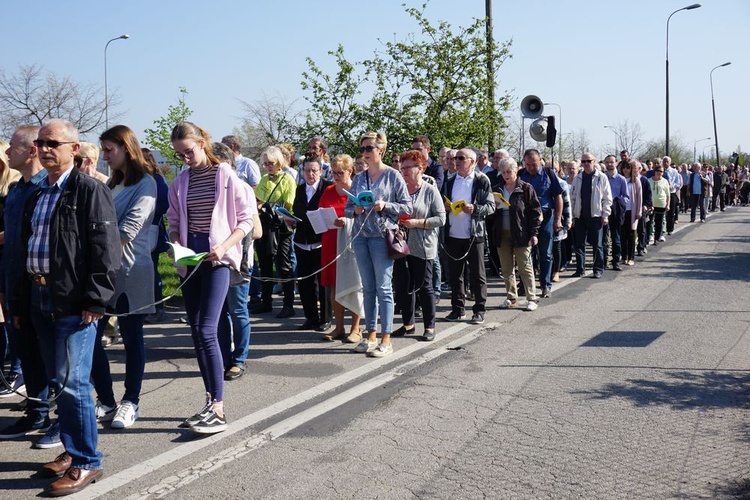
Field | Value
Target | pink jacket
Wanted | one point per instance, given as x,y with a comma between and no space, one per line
636,203
232,211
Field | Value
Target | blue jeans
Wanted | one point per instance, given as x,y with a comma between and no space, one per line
131,330
589,229
376,271
68,346
235,327
204,295
255,284
544,247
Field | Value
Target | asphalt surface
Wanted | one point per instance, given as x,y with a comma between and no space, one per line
636,385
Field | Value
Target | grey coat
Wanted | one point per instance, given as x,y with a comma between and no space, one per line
423,243
135,207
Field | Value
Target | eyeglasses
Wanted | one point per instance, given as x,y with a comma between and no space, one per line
360,164
368,149
52,144
625,167
462,158
395,160
268,164
338,172
587,161
311,170
190,152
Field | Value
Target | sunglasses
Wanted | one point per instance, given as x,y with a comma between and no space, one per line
368,149
52,144
658,171
587,161
461,158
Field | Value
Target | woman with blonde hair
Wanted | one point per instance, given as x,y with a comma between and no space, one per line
209,211
371,221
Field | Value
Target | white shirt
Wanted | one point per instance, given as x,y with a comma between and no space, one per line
461,223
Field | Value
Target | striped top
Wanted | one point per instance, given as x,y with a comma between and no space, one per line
201,198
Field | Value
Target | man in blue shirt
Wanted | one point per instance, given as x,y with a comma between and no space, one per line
675,183
549,192
618,186
247,169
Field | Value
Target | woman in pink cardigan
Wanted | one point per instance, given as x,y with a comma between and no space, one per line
209,211
633,210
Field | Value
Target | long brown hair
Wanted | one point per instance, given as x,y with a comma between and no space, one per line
189,130
135,164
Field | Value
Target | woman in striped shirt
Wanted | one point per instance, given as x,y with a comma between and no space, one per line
209,211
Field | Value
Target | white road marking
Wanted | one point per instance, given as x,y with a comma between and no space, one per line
110,483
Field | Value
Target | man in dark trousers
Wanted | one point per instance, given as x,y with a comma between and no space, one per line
307,245
72,250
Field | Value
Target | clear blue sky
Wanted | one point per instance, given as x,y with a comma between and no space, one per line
602,61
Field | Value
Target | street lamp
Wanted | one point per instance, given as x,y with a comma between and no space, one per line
695,143
689,7
616,136
559,126
713,108
106,96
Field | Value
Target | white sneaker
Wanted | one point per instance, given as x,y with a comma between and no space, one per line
127,414
105,413
366,346
508,304
381,351
531,306
662,238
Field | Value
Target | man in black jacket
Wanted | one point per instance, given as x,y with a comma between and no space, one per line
72,251
307,245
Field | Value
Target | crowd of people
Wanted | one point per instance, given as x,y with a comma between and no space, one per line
343,234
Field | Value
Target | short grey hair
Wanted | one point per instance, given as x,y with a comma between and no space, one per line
69,130
508,162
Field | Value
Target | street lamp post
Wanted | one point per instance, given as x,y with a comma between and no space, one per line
689,7
713,108
616,137
559,127
106,95
694,145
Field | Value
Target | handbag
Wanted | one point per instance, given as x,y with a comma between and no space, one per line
397,245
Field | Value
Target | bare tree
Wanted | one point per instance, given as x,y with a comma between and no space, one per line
270,120
629,137
33,95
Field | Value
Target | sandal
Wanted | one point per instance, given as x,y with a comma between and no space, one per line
334,335
354,337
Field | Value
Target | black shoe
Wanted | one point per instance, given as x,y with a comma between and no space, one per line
262,308
477,318
456,316
639,253
286,312
402,330
211,424
428,336
26,426
597,275
234,373
616,267
576,275
547,293
307,325
323,327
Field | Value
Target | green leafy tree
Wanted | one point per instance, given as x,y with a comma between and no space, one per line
158,138
432,83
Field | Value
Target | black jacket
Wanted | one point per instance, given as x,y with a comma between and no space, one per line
85,249
525,215
304,233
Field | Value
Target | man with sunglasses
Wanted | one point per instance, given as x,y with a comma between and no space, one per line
465,234
71,253
591,204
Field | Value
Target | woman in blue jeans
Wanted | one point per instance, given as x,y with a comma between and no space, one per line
209,211
134,196
370,222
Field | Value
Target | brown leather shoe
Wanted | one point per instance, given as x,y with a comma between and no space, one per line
58,466
73,481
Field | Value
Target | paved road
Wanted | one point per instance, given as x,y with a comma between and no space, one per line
633,386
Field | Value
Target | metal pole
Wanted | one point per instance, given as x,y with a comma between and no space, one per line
666,137
713,109
490,77
106,94
694,146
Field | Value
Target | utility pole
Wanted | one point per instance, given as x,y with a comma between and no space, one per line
490,78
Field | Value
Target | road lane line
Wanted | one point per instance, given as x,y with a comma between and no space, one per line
135,472
186,476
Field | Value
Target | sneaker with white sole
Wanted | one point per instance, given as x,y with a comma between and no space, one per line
51,439
127,414
191,421
381,351
212,423
366,346
508,304
532,306
26,426
15,386
105,413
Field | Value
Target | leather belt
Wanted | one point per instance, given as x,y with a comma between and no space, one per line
41,279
